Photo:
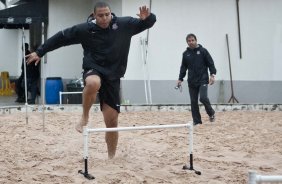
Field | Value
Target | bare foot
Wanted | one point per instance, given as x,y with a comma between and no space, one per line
111,156
79,126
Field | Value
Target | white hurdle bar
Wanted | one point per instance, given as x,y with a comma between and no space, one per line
62,93
255,178
86,132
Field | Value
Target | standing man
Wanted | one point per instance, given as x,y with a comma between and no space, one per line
32,76
198,60
105,40
20,80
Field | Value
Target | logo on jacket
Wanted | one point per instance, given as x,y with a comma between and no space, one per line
114,26
198,52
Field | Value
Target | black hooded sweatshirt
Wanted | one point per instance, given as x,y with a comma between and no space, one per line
197,61
105,50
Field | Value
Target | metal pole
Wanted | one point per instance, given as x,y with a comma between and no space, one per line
60,93
239,29
142,42
146,58
43,78
230,71
148,73
25,78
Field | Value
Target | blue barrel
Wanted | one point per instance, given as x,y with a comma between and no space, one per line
52,90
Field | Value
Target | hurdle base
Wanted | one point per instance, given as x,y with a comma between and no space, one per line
86,175
185,167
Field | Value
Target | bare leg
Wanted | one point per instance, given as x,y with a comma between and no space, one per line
111,121
93,83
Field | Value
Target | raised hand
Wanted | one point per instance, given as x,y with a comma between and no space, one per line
144,12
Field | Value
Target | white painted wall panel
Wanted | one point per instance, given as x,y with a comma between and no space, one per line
210,20
66,62
10,50
175,19
261,39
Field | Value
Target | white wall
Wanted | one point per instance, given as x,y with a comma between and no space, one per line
261,32
10,50
175,19
135,67
261,40
261,29
66,62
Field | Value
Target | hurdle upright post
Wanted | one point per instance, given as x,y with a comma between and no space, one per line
191,146
60,92
252,177
85,155
190,141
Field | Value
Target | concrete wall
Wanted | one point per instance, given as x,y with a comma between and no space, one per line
163,92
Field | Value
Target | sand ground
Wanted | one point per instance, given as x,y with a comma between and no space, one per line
224,151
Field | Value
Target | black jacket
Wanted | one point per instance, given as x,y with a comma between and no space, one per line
105,50
197,61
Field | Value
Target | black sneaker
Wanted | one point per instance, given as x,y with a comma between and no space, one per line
20,100
195,123
30,101
212,118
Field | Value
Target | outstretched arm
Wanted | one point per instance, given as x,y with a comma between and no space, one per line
66,37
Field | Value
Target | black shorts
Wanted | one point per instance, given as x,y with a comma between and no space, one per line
109,91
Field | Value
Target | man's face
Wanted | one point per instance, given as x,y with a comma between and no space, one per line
192,42
103,17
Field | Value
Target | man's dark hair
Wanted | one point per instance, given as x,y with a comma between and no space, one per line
191,35
101,4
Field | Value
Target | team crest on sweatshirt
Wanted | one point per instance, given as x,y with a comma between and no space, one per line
198,52
114,26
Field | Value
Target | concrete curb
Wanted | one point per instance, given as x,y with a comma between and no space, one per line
142,107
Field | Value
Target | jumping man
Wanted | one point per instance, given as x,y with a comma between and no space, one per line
105,40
